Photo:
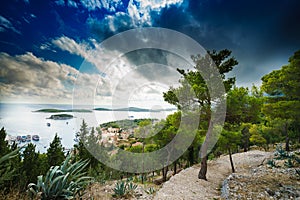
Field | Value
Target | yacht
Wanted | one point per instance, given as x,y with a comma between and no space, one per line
35,137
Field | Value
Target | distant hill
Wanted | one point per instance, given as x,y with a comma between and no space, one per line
52,110
134,109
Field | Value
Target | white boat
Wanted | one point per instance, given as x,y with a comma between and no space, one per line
28,139
35,137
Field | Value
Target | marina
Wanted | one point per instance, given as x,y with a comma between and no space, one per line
20,120
21,139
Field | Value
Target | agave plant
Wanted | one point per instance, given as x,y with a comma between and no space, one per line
6,170
280,153
120,189
124,188
66,181
150,190
271,163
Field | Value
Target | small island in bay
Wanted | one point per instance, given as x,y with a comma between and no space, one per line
53,110
61,117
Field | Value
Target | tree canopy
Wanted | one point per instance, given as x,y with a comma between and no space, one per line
194,91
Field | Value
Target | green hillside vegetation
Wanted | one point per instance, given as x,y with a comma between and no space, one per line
124,124
61,116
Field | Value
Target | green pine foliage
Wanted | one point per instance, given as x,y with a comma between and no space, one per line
4,147
31,164
55,152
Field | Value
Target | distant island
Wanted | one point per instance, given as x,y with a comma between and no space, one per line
131,109
61,117
134,109
52,110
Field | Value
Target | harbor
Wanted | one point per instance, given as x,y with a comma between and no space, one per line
22,138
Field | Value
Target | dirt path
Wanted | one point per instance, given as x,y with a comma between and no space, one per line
186,184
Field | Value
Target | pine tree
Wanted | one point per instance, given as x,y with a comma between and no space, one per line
4,147
31,163
81,151
283,101
192,80
55,152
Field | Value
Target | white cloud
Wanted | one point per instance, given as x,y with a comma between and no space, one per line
138,13
5,24
72,4
71,46
91,5
109,5
124,81
60,2
27,77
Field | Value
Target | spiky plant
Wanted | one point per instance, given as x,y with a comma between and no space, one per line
150,190
271,163
66,181
124,188
289,163
120,189
280,153
6,170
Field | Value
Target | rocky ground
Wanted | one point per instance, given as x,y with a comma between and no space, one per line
254,179
186,184
279,180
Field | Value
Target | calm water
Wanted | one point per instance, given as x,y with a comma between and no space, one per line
18,119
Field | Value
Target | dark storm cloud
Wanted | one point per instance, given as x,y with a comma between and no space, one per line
157,65
143,56
261,34
252,30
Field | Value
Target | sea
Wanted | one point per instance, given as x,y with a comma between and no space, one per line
20,119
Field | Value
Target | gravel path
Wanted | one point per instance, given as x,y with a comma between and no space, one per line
186,184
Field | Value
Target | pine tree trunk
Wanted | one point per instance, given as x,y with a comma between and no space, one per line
191,155
175,167
203,152
231,161
165,173
203,170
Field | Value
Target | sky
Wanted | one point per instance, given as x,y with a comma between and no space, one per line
50,48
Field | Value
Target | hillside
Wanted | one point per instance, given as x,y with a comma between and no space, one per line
254,179
186,184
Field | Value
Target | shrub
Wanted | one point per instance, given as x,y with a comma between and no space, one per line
6,170
289,163
150,190
271,163
66,181
280,153
124,188
120,189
